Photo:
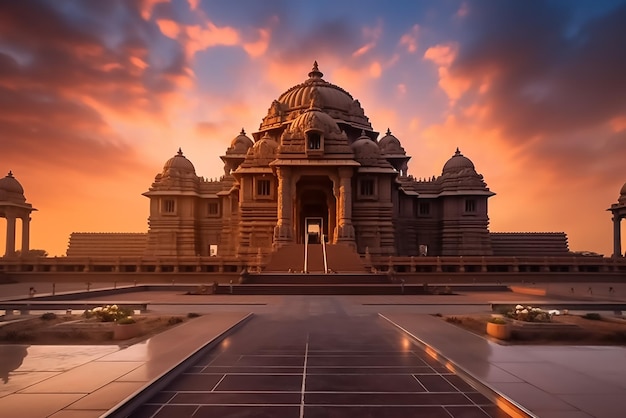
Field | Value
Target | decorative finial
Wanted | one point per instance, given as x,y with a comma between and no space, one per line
388,131
242,132
315,72
180,151
10,174
457,151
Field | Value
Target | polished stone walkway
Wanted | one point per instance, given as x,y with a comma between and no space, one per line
327,365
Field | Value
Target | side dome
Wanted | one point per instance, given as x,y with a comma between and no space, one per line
11,190
458,163
240,144
178,165
365,149
265,148
622,195
390,145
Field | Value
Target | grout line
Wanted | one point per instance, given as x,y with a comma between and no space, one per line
306,354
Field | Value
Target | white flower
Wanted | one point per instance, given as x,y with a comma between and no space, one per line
97,309
524,311
519,307
554,312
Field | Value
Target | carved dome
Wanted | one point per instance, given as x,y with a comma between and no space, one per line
365,149
329,98
11,190
240,144
179,165
315,119
622,194
458,163
265,148
390,145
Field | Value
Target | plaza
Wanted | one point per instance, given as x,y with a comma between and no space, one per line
308,355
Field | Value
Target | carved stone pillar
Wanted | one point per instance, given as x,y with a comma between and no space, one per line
10,242
345,229
617,236
25,235
283,230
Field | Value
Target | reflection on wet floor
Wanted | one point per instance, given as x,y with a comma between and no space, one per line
318,366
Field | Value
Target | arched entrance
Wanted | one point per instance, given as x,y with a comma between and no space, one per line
315,199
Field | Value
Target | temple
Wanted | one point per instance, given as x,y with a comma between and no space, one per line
314,180
317,166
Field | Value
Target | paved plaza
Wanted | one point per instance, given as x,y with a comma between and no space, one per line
310,356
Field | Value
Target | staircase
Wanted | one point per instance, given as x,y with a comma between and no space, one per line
341,258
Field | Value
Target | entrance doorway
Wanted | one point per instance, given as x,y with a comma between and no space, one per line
315,203
314,228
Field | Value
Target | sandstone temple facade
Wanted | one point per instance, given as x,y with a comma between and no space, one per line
316,165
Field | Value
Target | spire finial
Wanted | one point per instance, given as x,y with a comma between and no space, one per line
242,132
388,131
180,151
457,152
315,72
10,174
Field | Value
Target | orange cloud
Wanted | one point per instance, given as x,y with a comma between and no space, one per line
444,56
259,47
409,39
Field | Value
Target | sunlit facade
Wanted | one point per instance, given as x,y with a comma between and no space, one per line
317,166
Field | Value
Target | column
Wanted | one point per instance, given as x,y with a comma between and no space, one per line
617,236
344,212
282,231
10,242
25,234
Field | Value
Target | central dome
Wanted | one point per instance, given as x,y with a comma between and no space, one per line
329,98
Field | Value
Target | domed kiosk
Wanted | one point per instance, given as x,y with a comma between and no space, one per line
13,206
619,212
316,172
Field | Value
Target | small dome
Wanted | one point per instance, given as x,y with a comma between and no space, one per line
265,147
10,185
178,164
240,144
315,119
458,163
622,195
390,145
365,148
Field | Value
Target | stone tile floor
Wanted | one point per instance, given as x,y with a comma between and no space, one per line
322,366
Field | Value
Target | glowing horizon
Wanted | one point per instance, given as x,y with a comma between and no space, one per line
96,96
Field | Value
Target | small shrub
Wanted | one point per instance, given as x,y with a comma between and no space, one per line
174,320
497,320
454,320
126,321
48,316
193,315
108,313
593,316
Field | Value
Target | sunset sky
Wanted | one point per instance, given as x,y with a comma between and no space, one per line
95,96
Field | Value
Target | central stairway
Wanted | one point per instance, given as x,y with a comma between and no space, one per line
341,258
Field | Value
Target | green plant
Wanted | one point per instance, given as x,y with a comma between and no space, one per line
48,316
126,321
497,320
174,320
593,316
453,320
530,314
108,313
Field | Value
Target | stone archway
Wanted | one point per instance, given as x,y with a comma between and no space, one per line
314,199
